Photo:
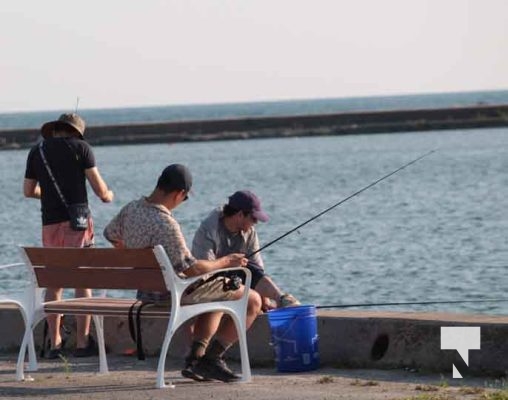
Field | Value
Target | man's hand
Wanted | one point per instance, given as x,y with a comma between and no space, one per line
235,260
108,197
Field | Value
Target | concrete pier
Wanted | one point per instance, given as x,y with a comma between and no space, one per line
340,123
347,339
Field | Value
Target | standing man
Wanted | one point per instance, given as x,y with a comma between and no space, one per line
230,229
71,161
148,222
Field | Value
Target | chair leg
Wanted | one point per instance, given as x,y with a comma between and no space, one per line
32,357
99,329
242,342
20,375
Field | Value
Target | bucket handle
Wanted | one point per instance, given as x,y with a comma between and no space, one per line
288,329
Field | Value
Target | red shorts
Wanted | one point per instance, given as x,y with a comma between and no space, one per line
62,235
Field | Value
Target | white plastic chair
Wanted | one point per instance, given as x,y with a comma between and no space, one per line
99,307
22,301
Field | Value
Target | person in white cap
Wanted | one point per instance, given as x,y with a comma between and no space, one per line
56,172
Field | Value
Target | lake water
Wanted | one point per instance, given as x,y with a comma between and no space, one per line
437,230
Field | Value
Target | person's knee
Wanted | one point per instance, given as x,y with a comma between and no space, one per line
254,304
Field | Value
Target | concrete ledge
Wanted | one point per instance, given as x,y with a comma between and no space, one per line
348,339
340,123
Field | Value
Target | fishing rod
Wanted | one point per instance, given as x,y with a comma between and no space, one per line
339,203
411,303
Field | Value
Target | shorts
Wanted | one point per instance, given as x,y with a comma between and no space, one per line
62,235
208,291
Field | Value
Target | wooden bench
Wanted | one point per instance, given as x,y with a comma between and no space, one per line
124,269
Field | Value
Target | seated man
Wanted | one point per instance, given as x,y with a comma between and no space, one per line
230,229
148,222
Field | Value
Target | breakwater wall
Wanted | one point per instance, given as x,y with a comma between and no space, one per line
347,339
479,116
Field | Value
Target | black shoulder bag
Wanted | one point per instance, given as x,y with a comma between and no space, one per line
78,212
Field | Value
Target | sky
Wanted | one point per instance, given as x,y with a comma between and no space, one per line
119,53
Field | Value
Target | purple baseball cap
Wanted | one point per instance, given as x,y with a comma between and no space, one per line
245,200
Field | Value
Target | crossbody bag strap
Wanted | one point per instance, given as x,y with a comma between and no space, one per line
41,151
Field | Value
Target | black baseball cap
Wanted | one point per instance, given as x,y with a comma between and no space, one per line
175,177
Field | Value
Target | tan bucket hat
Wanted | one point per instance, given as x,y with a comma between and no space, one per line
72,119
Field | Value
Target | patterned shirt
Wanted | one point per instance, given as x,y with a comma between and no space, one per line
141,224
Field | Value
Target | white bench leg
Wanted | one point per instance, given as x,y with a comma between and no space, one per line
99,329
160,384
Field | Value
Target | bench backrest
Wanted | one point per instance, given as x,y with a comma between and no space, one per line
97,268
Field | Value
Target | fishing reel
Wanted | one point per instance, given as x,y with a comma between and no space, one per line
232,282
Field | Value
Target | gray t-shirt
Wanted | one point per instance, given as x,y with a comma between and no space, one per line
212,240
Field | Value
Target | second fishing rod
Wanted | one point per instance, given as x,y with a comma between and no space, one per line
339,203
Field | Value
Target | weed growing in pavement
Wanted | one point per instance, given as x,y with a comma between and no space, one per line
325,379
66,365
358,382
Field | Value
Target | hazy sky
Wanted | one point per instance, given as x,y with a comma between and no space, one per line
134,53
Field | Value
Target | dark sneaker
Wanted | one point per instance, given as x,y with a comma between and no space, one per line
53,354
215,369
189,372
89,351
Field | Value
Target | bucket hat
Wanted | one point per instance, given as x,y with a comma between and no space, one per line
72,119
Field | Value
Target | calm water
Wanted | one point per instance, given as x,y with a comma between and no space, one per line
435,231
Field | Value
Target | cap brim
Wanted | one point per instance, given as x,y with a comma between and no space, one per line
261,216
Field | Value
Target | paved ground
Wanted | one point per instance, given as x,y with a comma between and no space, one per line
133,379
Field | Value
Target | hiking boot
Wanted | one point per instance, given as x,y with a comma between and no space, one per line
288,300
90,350
189,370
215,368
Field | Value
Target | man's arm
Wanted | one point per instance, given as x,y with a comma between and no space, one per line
113,231
31,188
98,185
201,267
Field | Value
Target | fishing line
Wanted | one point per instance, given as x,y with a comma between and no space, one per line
339,203
412,303
10,265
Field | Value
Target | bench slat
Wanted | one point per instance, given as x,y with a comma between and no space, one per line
93,257
103,306
105,278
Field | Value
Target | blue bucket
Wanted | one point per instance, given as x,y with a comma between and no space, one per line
295,338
